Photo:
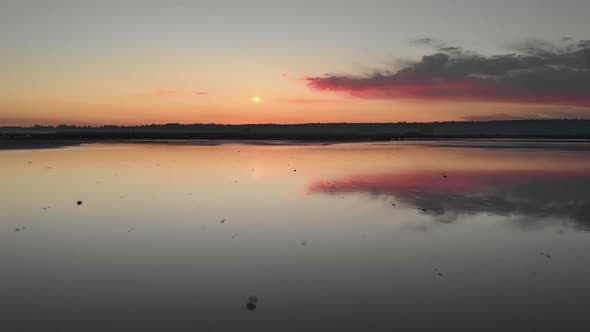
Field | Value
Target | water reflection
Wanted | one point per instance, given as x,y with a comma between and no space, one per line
193,238
531,198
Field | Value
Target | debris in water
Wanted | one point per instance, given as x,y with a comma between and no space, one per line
303,243
252,300
79,202
438,273
223,221
546,255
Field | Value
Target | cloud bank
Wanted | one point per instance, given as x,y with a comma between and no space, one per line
538,72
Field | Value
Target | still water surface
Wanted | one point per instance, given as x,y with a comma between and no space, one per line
359,237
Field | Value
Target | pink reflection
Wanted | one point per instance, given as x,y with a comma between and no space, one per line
440,182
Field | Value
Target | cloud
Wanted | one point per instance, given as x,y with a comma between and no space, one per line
499,117
563,112
427,42
530,198
306,101
538,72
174,93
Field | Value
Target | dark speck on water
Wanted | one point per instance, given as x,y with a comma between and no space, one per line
223,221
252,301
79,202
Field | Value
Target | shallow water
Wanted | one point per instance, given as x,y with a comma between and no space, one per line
365,236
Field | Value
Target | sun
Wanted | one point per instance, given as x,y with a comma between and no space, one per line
256,100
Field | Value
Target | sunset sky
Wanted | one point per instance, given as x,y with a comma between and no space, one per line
143,62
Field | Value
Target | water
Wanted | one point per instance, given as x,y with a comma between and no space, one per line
359,237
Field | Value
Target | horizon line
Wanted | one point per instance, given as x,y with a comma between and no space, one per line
288,124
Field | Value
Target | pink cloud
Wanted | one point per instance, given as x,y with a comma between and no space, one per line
174,93
534,75
456,90
306,101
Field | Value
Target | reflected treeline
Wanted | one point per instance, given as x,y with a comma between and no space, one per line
532,198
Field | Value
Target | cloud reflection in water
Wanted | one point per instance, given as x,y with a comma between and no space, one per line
531,198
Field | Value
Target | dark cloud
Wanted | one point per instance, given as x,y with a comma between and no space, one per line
529,197
538,72
499,117
450,49
424,41
560,112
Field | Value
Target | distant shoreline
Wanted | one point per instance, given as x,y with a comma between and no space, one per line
311,132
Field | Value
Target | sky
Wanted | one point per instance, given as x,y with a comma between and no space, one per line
142,62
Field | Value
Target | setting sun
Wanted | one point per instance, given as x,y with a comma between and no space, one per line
256,100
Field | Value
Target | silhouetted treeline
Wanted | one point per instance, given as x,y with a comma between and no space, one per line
315,131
